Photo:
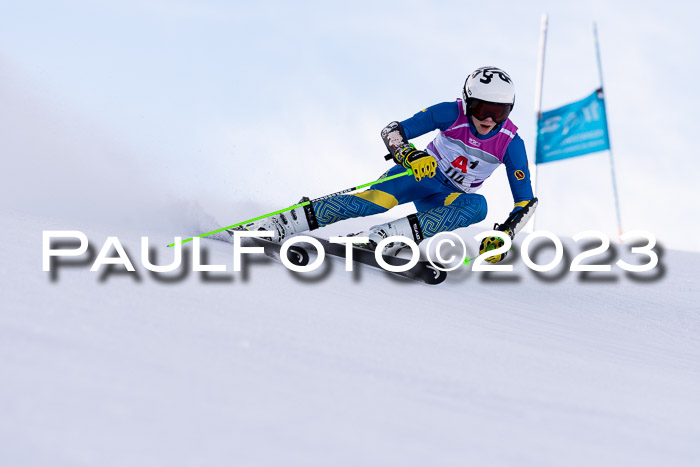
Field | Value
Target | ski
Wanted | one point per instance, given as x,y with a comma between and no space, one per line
295,254
298,255
423,271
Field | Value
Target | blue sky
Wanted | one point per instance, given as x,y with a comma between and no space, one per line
226,103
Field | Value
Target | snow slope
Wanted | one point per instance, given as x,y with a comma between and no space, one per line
267,368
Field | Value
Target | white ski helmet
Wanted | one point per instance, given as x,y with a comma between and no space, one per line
488,84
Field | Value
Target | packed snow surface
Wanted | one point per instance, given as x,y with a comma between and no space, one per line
266,367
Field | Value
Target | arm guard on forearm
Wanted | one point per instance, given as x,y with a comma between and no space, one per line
394,137
518,219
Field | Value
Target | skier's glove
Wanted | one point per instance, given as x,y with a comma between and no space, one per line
491,243
422,163
516,221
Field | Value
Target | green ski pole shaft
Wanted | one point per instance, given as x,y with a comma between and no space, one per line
305,203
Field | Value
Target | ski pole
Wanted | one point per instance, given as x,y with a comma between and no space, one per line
305,203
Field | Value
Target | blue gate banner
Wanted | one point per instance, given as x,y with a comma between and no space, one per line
573,130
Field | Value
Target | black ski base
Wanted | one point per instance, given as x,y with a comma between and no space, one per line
423,271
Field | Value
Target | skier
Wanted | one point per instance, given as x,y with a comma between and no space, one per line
476,136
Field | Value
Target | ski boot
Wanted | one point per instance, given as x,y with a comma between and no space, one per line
405,227
286,224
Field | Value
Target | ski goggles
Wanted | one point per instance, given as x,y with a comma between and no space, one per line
481,110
